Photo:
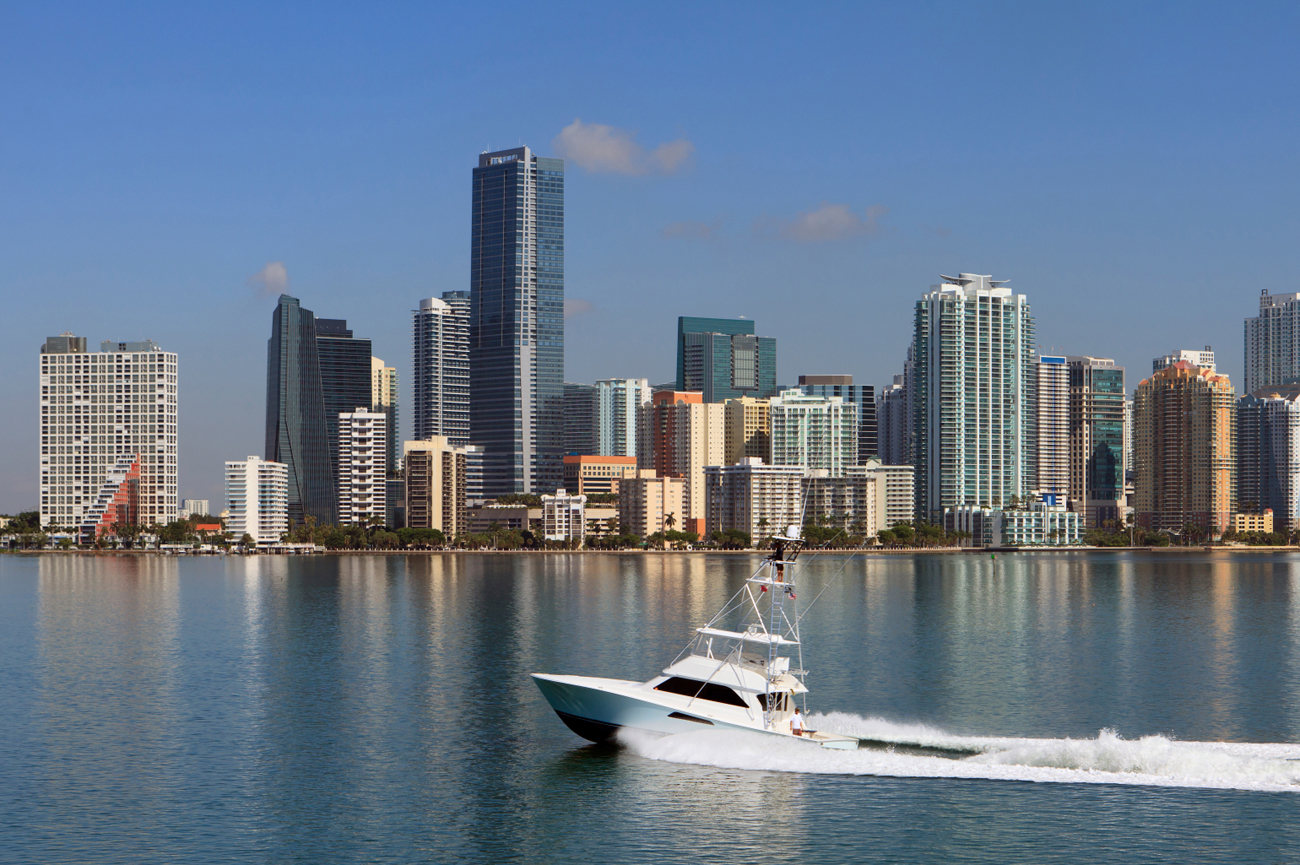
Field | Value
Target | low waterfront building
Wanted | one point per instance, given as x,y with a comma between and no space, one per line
257,499
564,517
520,518
363,467
848,502
1040,523
1253,522
586,474
602,520
755,498
116,504
895,492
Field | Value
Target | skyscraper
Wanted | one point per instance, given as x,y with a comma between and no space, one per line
579,410
621,406
893,424
440,372
108,433
1053,422
1268,454
344,377
517,320
722,359
296,430
1097,439
1273,342
974,396
861,395
1184,450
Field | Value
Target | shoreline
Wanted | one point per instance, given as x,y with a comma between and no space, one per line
942,551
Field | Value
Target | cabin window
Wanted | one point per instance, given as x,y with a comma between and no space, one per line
702,691
780,701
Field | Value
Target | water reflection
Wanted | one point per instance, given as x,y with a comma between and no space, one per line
292,708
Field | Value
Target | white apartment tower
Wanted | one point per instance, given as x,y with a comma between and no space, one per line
564,517
1273,342
819,433
363,466
440,372
621,406
96,408
974,384
1053,426
257,496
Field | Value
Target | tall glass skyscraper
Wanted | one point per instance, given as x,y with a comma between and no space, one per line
721,358
296,431
974,402
516,330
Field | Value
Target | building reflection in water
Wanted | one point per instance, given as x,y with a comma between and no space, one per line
107,693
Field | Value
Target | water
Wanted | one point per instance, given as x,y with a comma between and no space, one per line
1125,708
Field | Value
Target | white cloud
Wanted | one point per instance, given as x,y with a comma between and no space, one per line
577,306
272,279
827,222
605,149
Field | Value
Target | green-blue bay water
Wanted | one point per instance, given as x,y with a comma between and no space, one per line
1131,707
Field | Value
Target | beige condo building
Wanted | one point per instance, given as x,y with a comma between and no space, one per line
1184,449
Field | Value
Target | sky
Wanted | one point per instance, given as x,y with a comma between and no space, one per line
167,169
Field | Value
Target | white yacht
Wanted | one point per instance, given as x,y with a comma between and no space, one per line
738,679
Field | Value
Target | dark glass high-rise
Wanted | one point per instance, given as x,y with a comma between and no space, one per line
296,430
344,378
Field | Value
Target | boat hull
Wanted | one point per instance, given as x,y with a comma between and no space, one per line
595,709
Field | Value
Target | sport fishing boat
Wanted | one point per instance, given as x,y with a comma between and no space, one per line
738,679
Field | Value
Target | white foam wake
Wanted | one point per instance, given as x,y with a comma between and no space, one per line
1108,759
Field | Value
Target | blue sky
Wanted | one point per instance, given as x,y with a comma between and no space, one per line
1130,167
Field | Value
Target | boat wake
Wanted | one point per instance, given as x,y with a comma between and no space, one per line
920,751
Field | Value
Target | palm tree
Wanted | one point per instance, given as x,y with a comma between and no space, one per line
669,521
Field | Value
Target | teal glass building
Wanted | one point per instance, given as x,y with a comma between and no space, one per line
723,359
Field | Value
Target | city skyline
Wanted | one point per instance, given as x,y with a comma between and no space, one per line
1131,237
